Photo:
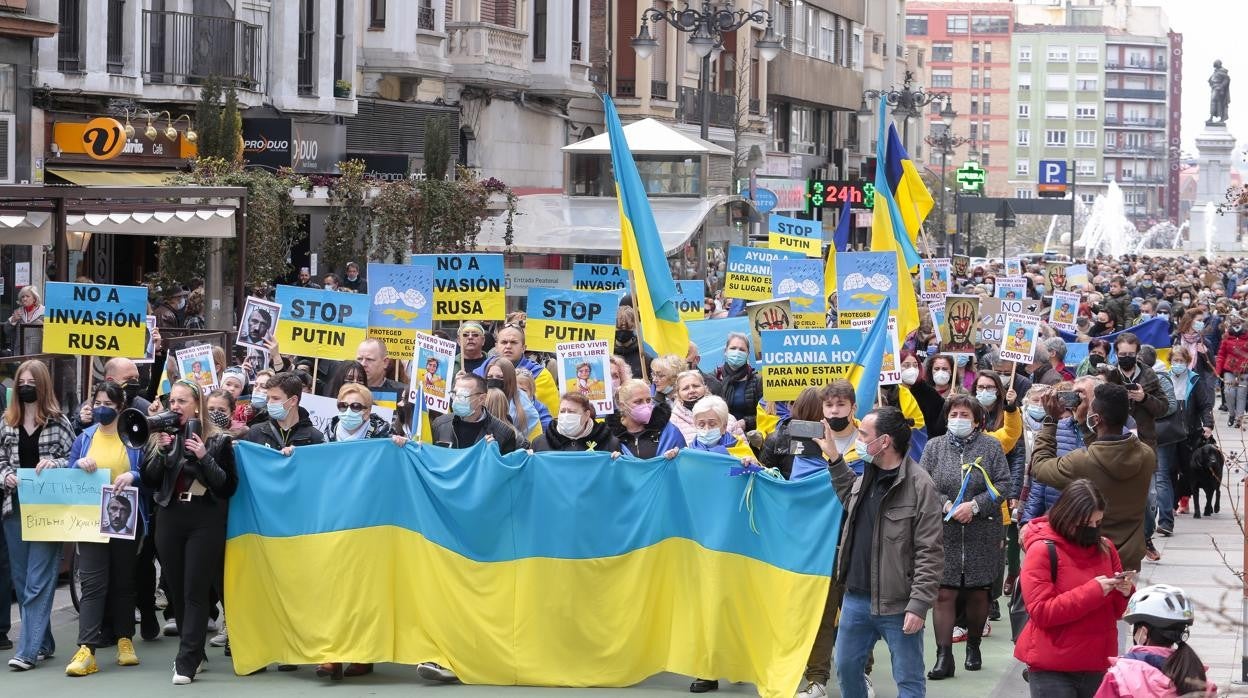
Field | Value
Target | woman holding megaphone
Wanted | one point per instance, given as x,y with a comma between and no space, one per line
192,484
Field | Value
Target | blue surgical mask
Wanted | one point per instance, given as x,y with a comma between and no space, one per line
258,399
1178,369
1036,412
960,427
350,420
864,455
278,411
461,406
1198,325
734,357
709,437
987,398
962,360
104,415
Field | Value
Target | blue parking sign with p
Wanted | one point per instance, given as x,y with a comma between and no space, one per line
1053,172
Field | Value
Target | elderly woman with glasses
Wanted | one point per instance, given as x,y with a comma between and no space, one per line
356,419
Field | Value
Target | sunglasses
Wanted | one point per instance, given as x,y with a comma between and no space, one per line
354,407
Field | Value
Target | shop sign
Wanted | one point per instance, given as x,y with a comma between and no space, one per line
104,139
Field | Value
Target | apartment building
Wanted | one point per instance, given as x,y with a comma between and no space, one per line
967,48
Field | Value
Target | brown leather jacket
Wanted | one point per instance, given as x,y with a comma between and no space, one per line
907,551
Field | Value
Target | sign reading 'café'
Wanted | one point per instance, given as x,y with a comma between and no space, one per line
274,143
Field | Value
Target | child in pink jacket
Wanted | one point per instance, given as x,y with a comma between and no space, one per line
1161,664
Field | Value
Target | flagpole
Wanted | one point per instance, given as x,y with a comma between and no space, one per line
641,342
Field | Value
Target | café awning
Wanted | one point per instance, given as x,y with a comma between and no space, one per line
190,222
558,224
114,178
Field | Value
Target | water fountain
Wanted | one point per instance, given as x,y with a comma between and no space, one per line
1108,230
1211,215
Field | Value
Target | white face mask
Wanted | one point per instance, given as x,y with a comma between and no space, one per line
960,427
941,377
909,375
569,424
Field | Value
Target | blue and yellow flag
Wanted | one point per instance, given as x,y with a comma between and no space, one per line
566,569
888,233
913,199
642,250
865,374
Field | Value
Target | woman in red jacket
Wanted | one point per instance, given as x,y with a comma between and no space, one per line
1231,365
1072,631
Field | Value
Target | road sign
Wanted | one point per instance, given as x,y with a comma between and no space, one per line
765,200
971,176
1052,178
1005,215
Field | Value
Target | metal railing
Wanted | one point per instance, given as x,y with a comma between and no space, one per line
186,49
1120,93
626,88
723,108
1149,123
658,89
425,19
69,37
1156,67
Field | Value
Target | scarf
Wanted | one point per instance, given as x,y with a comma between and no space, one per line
1190,341
962,444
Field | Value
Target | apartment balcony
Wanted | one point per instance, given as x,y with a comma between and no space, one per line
185,49
805,79
409,46
1135,94
1147,151
723,108
1156,124
1138,67
1138,180
489,55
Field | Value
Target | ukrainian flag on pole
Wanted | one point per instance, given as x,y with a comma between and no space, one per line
865,373
642,251
888,233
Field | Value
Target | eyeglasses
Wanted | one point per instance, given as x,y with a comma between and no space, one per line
354,407
467,395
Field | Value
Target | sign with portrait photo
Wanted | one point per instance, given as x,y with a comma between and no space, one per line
957,329
149,354
119,512
258,323
1055,277
934,279
196,364
435,361
767,315
1020,338
585,368
1065,310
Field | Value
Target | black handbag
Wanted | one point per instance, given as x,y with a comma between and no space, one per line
1173,428
1018,608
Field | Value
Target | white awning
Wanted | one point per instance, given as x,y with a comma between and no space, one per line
204,222
558,224
649,137
32,228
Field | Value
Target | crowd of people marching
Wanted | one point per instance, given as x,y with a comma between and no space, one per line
974,491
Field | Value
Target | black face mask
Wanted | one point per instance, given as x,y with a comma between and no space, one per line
838,423
131,390
1126,363
1087,536
689,403
1095,360
495,383
624,336
27,393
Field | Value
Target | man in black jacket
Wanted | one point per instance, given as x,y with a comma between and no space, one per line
288,424
468,421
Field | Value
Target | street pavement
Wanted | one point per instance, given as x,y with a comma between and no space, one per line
1190,559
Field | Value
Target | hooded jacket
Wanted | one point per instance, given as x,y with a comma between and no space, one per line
375,428
1137,675
1121,468
1072,626
600,436
658,431
1233,354
304,433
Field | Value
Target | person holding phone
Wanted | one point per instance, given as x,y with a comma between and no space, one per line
191,492
1075,590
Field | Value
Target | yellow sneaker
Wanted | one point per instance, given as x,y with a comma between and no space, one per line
125,652
83,663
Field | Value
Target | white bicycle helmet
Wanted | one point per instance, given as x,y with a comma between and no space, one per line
1160,606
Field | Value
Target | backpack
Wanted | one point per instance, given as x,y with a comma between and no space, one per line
1018,608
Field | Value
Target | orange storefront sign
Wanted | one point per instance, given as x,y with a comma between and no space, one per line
104,138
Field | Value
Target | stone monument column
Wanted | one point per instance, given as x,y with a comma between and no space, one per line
1215,147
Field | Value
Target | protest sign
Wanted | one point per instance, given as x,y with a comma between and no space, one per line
1013,266
1020,338
585,368
600,277
95,320
556,316
322,410
991,328
937,309
1076,276
1076,353
794,360
119,512
691,299
61,504
466,286
258,323
801,281
960,266
435,364
767,315
149,354
325,324
863,281
196,365
933,279
890,367
809,321
1055,277
1062,315
957,330
1010,288
402,305
748,275
794,235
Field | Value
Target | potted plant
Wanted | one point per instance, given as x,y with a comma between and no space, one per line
342,89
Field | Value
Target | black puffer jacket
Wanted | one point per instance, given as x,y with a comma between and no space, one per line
377,428
443,429
215,470
304,433
600,436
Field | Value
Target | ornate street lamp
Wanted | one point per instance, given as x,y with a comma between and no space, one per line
707,28
907,104
946,142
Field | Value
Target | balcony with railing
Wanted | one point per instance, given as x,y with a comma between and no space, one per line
1130,66
1133,180
488,54
723,108
185,49
1147,151
1135,122
425,19
1138,94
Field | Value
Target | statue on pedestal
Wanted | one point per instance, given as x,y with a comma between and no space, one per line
1220,95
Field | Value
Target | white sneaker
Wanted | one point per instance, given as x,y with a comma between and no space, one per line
870,687
180,680
171,628
162,601
959,633
221,638
813,690
435,672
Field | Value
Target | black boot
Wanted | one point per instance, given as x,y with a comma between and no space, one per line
704,685
944,664
974,661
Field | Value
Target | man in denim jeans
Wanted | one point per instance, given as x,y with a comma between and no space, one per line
891,555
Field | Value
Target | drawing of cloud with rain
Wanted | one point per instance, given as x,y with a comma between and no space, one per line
414,299
386,296
879,282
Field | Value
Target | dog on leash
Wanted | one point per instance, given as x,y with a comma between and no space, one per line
1204,473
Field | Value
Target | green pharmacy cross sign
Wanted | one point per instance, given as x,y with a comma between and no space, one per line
971,176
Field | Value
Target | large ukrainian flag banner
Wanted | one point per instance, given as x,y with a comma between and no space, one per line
642,251
553,569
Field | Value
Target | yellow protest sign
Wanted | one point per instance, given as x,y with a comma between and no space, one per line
466,286
324,324
95,320
61,504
